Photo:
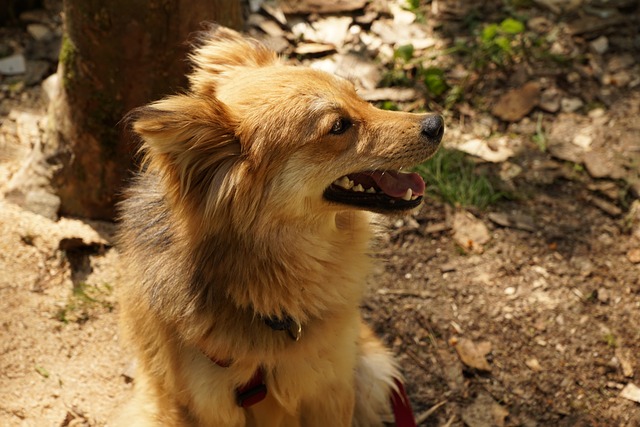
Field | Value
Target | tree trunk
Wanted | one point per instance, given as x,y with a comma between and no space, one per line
115,56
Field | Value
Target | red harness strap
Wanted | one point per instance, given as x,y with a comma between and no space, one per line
256,390
250,393
401,407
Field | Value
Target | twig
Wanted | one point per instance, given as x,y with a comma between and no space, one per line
404,293
426,414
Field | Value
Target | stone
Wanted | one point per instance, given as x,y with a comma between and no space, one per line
495,151
39,32
571,105
13,65
600,45
550,100
601,163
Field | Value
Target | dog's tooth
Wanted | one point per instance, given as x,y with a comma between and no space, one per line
358,188
414,197
407,195
371,190
342,182
350,185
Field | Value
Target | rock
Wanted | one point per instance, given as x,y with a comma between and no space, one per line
473,355
561,137
40,32
364,73
389,94
604,296
13,65
36,200
484,412
605,206
624,356
533,364
313,49
594,24
515,220
40,16
332,30
633,255
303,7
600,45
550,100
570,105
620,62
36,71
631,392
469,232
601,163
494,151
278,44
517,103
268,26
618,79
540,24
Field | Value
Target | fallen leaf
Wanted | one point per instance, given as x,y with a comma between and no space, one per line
517,103
469,232
473,355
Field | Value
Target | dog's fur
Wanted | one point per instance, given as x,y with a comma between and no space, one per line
227,225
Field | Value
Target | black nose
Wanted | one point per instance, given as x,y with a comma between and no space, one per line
432,127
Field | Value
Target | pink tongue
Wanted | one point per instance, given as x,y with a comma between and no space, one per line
396,184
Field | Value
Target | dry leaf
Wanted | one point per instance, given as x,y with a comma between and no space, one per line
473,355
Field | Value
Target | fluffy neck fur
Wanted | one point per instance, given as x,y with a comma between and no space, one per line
314,267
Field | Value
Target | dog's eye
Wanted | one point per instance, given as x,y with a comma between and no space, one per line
340,126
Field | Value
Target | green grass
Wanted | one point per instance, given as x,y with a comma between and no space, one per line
84,300
454,179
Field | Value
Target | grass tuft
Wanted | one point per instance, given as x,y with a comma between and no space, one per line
454,179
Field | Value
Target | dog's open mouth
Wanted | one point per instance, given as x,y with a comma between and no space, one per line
378,190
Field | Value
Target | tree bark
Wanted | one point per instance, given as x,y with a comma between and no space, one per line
115,56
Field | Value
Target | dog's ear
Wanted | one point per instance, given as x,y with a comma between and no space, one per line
191,143
219,51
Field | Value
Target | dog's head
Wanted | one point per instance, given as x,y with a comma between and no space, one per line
253,135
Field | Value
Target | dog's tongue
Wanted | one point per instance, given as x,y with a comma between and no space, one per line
396,184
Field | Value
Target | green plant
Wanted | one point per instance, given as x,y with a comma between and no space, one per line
84,299
499,43
453,177
540,138
434,80
389,105
610,339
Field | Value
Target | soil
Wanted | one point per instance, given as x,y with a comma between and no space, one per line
535,325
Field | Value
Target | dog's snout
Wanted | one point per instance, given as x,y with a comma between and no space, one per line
432,127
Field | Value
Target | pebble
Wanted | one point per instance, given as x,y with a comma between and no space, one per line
600,45
571,105
39,32
13,65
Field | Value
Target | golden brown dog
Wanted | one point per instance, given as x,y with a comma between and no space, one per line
247,237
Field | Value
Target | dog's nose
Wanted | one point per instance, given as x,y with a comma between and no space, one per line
432,127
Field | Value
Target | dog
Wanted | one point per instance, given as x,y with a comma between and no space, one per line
247,238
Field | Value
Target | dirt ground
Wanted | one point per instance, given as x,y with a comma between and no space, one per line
525,313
